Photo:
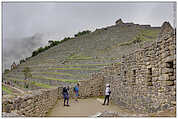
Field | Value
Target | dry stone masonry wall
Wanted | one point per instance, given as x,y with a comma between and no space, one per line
36,104
145,80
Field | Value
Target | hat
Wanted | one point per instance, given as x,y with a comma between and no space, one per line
107,85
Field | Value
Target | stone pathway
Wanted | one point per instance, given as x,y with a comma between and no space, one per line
91,107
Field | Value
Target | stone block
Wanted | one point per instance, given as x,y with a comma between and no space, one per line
168,83
149,84
167,70
169,59
173,103
164,77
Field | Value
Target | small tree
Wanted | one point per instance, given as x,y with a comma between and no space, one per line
28,75
6,71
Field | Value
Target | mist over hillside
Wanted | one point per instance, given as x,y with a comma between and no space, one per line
21,48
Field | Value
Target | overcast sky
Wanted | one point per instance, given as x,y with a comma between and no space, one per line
58,20
26,19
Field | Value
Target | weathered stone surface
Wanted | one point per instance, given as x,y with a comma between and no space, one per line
168,83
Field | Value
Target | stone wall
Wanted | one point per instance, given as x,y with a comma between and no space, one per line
37,103
145,80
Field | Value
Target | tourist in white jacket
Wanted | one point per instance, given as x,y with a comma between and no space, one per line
107,94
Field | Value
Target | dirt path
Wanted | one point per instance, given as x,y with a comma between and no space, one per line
83,108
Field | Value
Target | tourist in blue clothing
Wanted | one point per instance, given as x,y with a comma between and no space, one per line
76,90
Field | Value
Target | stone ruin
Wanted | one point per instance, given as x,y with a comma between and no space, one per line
119,21
144,81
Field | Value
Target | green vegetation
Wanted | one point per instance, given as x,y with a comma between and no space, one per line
84,65
57,73
51,44
6,89
89,69
13,79
21,61
150,33
79,57
27,72
42,85
62,80
73,65
144,35
6,71
82,33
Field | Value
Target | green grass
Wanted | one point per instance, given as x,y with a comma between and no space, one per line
62,80
64,74
74,65
84,65
57,73
32,82
13,79
150,33
42,85
6,89
79,57
143,35
89,69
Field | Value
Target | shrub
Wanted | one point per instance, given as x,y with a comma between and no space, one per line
82,33
21,61
27,72
51,44
6,71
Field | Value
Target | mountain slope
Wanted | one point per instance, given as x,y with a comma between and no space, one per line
77,58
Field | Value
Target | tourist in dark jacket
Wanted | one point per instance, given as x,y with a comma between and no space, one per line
66,95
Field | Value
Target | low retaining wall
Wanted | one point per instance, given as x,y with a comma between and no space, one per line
36,104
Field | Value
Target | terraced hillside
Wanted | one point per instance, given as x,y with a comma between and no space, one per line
77,58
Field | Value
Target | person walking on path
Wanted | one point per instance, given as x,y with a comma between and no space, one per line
76,90
66,95
107,94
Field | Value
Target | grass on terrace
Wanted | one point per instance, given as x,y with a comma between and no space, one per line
70,65
144,35
63,74
42,85
79,57
6,89
55,73
88,69
62,80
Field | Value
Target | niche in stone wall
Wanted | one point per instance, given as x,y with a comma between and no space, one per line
124,76
125,73
134,77
170,65
149,77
